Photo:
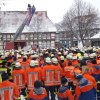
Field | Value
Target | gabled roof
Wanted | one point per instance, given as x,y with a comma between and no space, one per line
11,20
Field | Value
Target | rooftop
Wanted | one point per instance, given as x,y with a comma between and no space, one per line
10,21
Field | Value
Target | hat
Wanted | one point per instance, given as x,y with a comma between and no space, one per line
52,55
36,62
86,55
64,80
74,57
59,53
80,58
54,60
69,56
17,65
91,55
61,57
32,63
2,57
48,60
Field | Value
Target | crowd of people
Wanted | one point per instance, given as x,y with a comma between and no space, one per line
50,74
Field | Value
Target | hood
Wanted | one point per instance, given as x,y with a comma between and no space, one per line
38,90
62,89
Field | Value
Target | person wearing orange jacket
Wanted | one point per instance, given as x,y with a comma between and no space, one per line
89,77
76,71
24,63
38,93
62,62
75,61
48,74
33,73
64,93
18,77
91,66
58,73
85,89
68,70
8,90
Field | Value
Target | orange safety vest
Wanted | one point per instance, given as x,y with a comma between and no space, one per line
90,78
33,74
8,91
58,74
48,73
18,77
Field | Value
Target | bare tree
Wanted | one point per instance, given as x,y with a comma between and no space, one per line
81,21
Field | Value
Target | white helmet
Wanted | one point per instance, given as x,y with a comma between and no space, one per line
36,62
86,55
52,55
74,57
91,55
61,57
17,65
69,56
32,63
80,58
48,60
54,60
2,57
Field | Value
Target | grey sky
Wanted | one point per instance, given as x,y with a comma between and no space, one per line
55,8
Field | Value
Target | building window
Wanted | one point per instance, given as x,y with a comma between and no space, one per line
40,36
48,36
43,36
35,36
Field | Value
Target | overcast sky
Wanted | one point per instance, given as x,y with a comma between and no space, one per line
55,8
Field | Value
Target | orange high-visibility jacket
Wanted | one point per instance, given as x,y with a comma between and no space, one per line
48,73
65,95
83,89
8,91
35,96
33,74
24,65
75,72
90,78
58,74
18,77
